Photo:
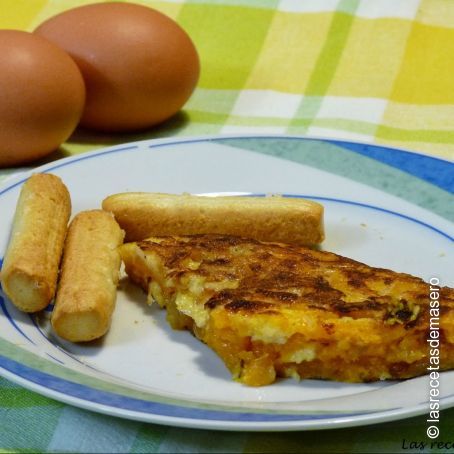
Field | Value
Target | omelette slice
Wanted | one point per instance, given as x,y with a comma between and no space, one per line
273,310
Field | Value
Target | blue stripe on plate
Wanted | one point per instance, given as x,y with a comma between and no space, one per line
11,320
55,345
372,207
434,170
120,402
363,205
55,359
69,161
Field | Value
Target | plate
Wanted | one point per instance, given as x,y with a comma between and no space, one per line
387,208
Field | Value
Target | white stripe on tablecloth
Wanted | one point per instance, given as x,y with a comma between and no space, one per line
81,431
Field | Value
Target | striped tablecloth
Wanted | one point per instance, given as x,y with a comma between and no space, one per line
376,71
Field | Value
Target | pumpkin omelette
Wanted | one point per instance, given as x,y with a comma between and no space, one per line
272,310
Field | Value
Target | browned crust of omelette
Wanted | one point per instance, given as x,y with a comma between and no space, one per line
272,310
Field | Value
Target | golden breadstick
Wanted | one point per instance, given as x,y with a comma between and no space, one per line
30,269
89,277
280,219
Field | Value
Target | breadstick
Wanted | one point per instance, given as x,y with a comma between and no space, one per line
30,269
89,276
279,219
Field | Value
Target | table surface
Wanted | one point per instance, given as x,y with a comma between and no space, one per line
363,70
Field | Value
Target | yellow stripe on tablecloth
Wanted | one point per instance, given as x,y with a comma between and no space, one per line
228,39
170,9
371,58
285,67
436,12
427,71
18,14
414,116
52,7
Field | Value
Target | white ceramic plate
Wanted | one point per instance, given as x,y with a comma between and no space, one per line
387,208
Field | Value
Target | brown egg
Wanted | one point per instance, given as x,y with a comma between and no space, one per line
139,66
42,96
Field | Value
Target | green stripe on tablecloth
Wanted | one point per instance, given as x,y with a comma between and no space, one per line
333,159
6,384
23,450
210,100
237,26
152,438
210,117
28,429
333,441
415,135
346,125
332,49
328,59
364,439
22,398
83,141
149,437
361,127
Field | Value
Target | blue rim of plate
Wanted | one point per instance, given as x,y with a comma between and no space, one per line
186,414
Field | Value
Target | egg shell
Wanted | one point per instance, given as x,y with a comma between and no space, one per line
139,66
42,97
